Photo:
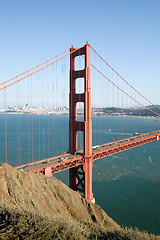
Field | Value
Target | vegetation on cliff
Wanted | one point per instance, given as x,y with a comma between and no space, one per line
35,207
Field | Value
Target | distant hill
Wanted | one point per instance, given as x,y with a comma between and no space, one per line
153,106
151,111
33,206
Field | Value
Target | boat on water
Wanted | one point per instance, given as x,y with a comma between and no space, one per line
136,133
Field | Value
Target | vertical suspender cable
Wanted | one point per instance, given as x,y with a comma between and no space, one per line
112,109
48,105
17,126
102,89
122,112
5,125
19,130
63,117
32,120
53,132
117,111
43,114
29,108
57,94
126,112
39,145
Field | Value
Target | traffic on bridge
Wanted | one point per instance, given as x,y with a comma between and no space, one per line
59,163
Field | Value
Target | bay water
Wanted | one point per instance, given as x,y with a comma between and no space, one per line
126,185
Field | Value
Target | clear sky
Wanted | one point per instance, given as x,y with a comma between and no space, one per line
125,32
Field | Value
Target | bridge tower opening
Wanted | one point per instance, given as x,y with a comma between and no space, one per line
80,177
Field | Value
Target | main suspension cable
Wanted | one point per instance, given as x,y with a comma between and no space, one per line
34,67
123,78
39,69
123,90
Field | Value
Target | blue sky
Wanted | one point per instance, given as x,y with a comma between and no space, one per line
125,32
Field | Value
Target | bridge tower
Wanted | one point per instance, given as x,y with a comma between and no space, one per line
80,178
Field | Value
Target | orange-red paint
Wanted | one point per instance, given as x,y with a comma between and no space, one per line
80,179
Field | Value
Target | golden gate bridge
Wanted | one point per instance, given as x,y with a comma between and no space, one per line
95,89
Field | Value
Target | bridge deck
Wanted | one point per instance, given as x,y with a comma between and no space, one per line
66,161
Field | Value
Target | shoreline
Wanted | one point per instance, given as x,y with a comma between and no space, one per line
95,115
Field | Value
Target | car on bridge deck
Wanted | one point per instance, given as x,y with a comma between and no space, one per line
26,166
59,160
21,170
79,153
45,162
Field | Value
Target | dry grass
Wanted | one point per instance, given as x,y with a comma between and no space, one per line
35,207
24,225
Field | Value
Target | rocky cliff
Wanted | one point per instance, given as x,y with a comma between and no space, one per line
33,206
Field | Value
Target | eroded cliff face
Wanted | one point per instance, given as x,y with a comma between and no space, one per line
29,201
33,206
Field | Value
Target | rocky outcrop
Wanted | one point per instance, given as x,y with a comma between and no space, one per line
33,206
35,196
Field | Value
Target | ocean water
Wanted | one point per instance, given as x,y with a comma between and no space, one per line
126,185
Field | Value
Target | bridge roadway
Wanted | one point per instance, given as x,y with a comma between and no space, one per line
67,160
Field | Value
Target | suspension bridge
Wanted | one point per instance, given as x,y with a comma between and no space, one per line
48,113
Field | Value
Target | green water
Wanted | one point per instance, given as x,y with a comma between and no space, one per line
126,185
131,201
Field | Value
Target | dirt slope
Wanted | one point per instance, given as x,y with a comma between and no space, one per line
33,206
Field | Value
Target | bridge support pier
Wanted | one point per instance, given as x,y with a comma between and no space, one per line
80,178
48,172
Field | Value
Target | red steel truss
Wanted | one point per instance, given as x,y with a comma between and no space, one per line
103,151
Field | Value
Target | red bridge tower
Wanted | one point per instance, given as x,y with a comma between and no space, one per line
80,178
